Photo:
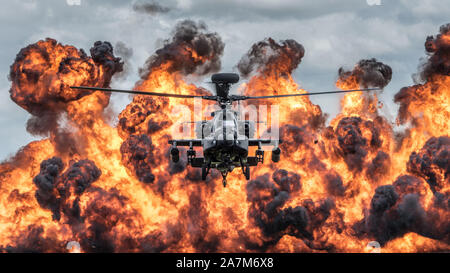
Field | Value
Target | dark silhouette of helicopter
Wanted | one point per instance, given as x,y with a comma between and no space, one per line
225,138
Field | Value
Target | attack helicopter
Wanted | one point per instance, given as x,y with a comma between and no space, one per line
225,138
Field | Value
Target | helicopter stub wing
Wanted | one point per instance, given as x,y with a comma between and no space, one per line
256,142
186,142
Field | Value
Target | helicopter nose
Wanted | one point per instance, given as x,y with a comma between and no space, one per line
228,143
224,143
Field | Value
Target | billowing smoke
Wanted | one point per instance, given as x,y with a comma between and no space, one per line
192,49
398,209
432,162
150,8
102,54
294,138
46,183
352,145
269,56
78,177
137,156
43,72
334,184
367,73
439,54
102,218
59,192
379,167
287,181
125,54
32,242
269,66
267,201
434,74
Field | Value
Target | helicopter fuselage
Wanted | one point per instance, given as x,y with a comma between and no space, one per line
225,140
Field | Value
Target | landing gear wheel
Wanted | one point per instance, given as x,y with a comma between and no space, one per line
247,172
204,172
175,153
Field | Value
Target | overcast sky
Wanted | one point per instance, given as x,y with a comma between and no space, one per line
334,33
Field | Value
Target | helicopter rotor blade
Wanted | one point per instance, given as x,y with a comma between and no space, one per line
306,94
137,92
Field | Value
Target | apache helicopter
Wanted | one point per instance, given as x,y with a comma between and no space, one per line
225,138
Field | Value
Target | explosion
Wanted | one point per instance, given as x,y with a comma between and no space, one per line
113,188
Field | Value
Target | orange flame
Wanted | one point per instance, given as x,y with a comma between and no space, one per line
327,177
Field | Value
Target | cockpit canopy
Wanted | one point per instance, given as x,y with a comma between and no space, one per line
224,125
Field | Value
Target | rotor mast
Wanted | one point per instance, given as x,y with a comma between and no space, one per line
223,82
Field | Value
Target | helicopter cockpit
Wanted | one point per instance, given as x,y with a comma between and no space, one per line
225,126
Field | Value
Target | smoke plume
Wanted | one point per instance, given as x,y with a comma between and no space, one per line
268,55
367,73
192,49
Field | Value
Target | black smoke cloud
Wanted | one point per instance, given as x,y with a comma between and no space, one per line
150,8
398,209
378,167
102,54
287,181
267,199
432,162
76,180
137,156
352,145
46,183
268,55
438,49
54,189
79,176
334,184
368,73
192,49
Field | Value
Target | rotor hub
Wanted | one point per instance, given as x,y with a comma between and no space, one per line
223,82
